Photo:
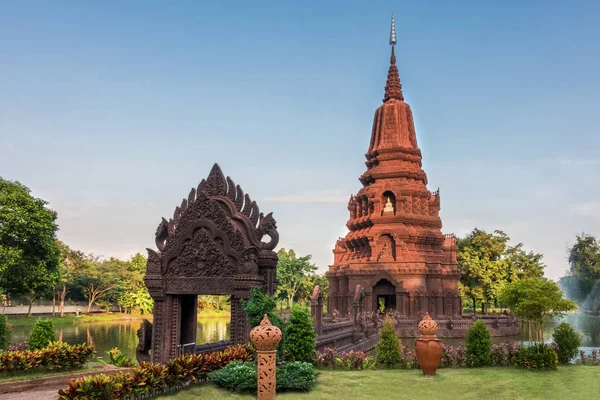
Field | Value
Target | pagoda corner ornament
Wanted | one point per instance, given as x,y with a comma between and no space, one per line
428,347
265,338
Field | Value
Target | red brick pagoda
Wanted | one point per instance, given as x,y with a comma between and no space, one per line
395,256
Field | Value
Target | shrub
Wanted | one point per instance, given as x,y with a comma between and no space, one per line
4,333
300,344
55,356
296,376
567,342
503,354
19,346
479,344
243,376
352,360
388,348
536,357
118,359
42,334
149,378
454,357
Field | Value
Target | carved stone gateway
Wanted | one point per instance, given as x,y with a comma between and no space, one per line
212,246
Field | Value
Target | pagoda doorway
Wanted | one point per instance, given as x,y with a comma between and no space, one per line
384,296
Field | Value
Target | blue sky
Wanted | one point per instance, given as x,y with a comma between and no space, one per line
113,110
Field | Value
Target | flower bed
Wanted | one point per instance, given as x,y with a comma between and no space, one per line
150,379
55,356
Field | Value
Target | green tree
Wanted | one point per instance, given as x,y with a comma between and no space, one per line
98,279
70,262
536,301
583,281
29,254
293,274
482,268
300,344
487,264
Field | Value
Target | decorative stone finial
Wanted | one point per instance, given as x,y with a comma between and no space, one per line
393,32
427,326
393,87
265,337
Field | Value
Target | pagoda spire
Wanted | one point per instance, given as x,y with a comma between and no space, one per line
393,87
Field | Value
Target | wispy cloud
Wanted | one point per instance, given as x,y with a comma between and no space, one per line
322,196
579,162
590,209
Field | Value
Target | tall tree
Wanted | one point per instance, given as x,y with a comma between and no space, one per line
487,264
584,268
536,301
99,280
29,253
293,273
71,261
482,267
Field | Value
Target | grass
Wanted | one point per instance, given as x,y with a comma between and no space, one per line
45,373
110,317
72,319
570,382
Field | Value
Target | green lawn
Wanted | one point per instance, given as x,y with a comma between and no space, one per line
45,373
572,382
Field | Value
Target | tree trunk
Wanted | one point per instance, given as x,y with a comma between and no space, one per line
482,308
61,307
54,302
474,304
90,301
29,310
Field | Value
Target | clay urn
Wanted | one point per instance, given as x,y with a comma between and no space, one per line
428,347
265,336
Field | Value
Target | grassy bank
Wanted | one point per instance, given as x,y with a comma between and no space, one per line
572,382
72,319
109,317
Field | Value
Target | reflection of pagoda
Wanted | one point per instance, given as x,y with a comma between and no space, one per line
395,252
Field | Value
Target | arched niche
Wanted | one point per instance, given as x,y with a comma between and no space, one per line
386,245
388,203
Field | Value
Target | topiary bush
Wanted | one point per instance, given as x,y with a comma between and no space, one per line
300,343
537,357
479,344
567,342
243,376
42,334
4,333
389,347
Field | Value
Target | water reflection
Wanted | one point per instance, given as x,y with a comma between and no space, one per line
122,334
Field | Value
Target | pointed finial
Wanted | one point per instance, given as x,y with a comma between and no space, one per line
393,87
393,32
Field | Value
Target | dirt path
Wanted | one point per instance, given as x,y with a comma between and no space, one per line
46,393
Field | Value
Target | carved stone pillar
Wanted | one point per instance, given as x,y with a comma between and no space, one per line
439,305
457,306
157,331
265,338
239,323
400,303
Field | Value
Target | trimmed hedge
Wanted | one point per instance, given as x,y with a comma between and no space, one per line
389,346
55,356
150,378
537,357
243,376
4,333
300,344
